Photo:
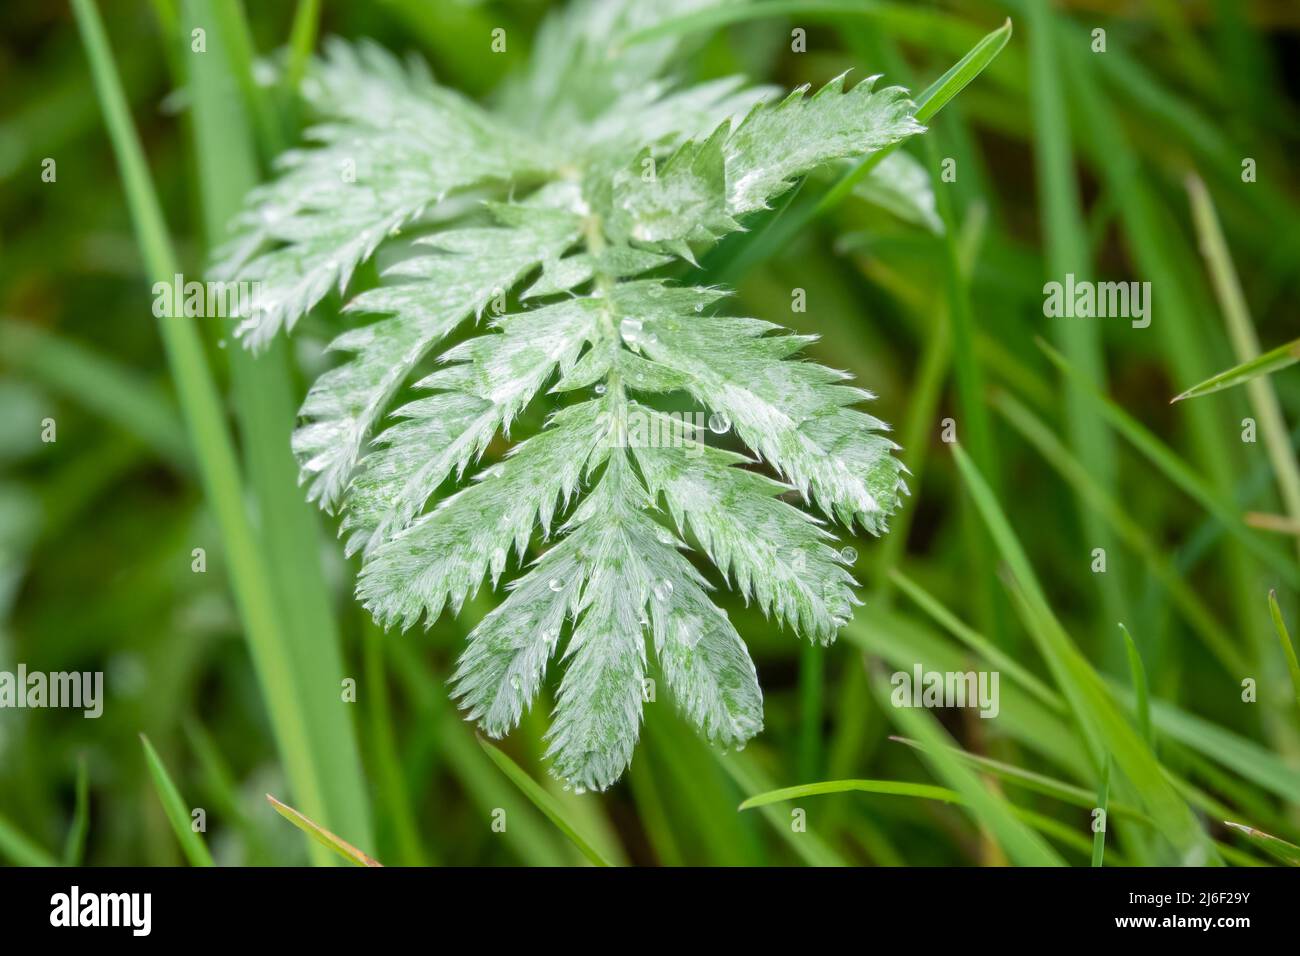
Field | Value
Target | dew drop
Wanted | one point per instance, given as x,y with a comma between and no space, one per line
664,537
719,423
663,589
699,306
848,554
556,584
579,791
600,389
514,681
630,329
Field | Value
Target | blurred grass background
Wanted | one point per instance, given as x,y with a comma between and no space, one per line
1067,160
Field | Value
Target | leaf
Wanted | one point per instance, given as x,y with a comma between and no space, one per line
20,849
321,835
1288,853
900,185
597,171
178,814
1279,358
543,801
1284,638
1138,677
1089,699
390,144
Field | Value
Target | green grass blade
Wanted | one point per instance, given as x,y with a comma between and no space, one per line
1284,638
974,640
225,158
988,809
1087,487
1138,677
20,849
74,846
928,104
325,838
1241,330
962,73
178,814
897,788
1288,853
1243,757
1279,358
543,801
302,40
1103,804
203,412
390,787
1083,688
778,229
1066,240
922,791
100,385
1032,781
745,771
1180,473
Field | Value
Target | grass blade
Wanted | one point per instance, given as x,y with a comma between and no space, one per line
1279,358
542,800
178,814
1138,676
74,847
933,99
1288,853
1035,782
1088,488
897,788
1083,688
1066,239
322,836
1179,473
973,639
1284,638
1099,832
988,809
100,385
225,159
20,849
204,416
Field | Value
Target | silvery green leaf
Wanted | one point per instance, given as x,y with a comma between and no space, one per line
770,549
390,144
439,292
443,555
796,415
490,378
775,144
901,185
600,168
